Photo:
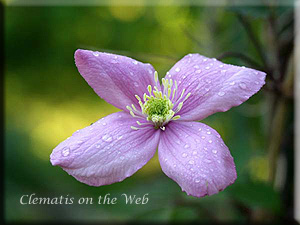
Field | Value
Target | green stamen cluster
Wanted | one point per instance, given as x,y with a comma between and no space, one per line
158,109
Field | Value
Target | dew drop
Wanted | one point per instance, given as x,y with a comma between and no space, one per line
150,71
196,67
204,60
174,165
207,68
107,138
256,82
120,137
197,180
98,146
210,141
221,93
242,85
214,151
203,137
104,124
208,132
194,152
135,62
95,53
191,162
66,152
200,129
177,69
232,83
184,155
221,66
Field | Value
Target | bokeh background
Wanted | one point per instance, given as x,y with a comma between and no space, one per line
46,100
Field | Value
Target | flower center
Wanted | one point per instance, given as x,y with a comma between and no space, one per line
158,107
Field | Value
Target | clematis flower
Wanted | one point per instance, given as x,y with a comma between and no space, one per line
157,116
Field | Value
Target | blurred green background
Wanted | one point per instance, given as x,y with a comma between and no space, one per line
46,100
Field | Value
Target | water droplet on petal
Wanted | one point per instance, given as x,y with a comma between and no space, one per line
208,132
242,85
221,65
177,69
98,146
184,155
194,152
186,146
214,151
210,141
65,152
221,93
207,68
196,67
191,162
150,71
107,138
104,124
120,137
204,60
135,62
95,53
203,137
197,180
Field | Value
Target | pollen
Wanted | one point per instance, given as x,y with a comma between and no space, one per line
159,107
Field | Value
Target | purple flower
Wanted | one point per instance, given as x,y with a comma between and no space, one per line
191,153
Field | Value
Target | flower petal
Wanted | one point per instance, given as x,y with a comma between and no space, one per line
115,78
214,86
195,156
107,151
